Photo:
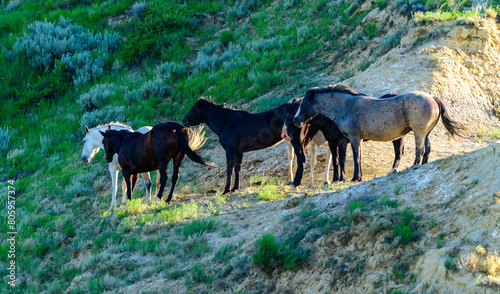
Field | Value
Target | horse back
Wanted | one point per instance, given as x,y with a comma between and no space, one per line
253,131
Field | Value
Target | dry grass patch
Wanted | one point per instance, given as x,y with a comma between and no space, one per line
483,261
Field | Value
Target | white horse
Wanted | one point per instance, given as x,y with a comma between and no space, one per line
318,140
92,143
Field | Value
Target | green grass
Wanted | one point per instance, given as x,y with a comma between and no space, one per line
271,254
406,228
271,193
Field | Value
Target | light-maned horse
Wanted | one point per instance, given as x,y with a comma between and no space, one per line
140,153
362,117
92,143
239,131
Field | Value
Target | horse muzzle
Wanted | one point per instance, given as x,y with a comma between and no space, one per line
297,122
85,159
186,123
284,134
108,159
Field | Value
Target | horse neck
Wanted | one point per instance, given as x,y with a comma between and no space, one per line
116,141
216,118
333,104
97,137
281,111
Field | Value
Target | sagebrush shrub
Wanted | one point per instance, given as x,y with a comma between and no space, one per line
267,44
45,42
4,138
172,70
96,97
83,52
102,116
155,87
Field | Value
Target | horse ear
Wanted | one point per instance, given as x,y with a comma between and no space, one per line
102,133
109,127
86,130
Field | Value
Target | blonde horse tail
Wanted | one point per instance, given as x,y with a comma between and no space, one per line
453,127
196,138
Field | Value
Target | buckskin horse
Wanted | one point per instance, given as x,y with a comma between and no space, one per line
139,153
362,117
239,131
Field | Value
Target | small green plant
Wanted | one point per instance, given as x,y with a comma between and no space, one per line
226,37
440,240
397,189
364,64
381,4
271,254
199,226
271,193
370,30
199,275
225,253
451,263
386,202
406,227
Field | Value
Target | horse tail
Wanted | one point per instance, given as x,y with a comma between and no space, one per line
196,138
184,144
453,127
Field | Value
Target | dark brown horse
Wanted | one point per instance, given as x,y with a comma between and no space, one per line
336,140
362,117
139,153
239,131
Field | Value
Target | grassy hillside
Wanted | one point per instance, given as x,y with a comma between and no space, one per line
142,63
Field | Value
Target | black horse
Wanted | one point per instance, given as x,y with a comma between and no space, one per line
239,131
301,137
139,153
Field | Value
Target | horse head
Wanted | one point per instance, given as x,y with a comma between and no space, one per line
195,117
288,125
112,141
91,144
306,109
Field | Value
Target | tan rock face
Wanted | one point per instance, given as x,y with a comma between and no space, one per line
461,66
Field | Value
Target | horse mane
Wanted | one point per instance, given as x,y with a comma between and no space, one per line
342,88
212,104
115,123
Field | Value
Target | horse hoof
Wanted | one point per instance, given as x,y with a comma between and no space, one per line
326,184
310,186
289,183
294,189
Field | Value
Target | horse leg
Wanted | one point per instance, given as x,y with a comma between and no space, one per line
298,151
334,156
175,176
328,164
113,170
342,151
237,168
163,179
135,177
312,163
127,176
291,157
356,153
157,181
419,148
230,159
148,184
427,150
124,191
398,151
